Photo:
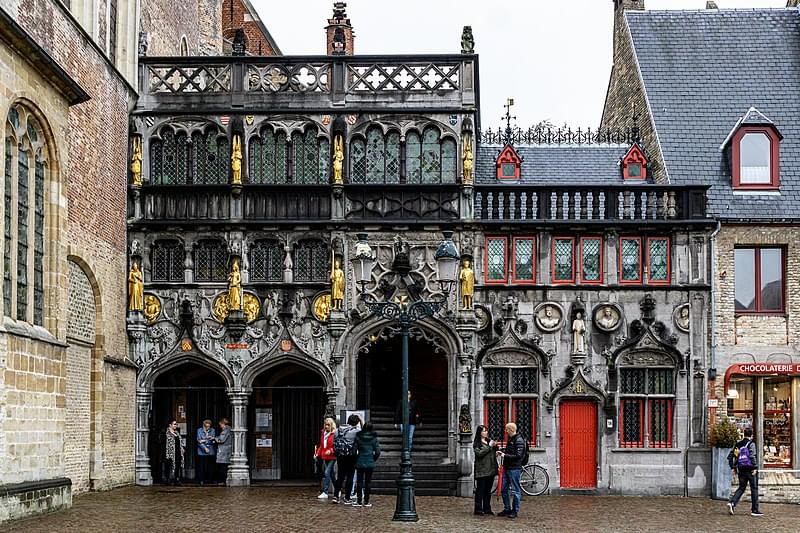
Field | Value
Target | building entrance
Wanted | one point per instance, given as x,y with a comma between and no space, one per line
578,449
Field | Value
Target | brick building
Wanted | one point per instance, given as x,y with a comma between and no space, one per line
722,112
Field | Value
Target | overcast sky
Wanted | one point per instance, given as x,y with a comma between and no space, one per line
552,56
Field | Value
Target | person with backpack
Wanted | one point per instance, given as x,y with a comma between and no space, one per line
744,462
346,455
515,456
325,454
369,450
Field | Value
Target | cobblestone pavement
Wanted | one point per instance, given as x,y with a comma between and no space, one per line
284,509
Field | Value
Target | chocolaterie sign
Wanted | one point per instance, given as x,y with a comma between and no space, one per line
765,368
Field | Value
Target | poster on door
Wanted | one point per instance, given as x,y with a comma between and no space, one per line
264,419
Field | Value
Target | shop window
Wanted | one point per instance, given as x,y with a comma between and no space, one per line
658,260
777,422
311,261
591,260
759,280
266,261
524,259
495,267
740,396
563,260
166,259
647,396
630,255
210,261
510,394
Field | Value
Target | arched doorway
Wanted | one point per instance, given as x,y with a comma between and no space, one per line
286,414
188,393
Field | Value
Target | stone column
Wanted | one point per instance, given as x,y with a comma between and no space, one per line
142,465
466,326
239,471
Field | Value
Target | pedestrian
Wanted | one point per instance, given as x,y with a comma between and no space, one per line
344,446
744,461
414,418
485,470
172,455
324,452
369,450
514,458
224,450
206,451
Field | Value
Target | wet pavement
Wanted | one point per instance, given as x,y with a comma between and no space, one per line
296,509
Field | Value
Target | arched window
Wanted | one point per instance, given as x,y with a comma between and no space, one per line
176,161
646,397
511,395
358,161
211,157
210,261
267,157
311,156
26,163
266,261
376,160
169,158
166,260
311,261
430,159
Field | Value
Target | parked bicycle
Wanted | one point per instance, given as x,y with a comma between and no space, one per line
533,479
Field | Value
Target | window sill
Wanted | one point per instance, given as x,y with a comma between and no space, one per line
756,192
646,450
781,314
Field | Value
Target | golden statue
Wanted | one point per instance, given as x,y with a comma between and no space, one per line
136,161
221,307
468,160
251,307
236,160
235,288
152,308
337,285
338,160
135,288
321,307
467,281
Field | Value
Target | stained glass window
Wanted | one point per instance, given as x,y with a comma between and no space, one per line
431,156
167,259
524,410
660,423
311,261
591,257
632,423
211,157
308,152
510,394
657,257
496,259
169,158
358,161
646,400
267,157
7,231
523,259
23,168
631,259
266,261
496,416
324,158
563,260
38,244
448,161
393,157
413,158
523,380
211,261
376,157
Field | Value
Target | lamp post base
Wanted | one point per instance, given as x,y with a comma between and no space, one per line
405,509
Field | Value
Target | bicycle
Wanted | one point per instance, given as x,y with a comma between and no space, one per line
534,479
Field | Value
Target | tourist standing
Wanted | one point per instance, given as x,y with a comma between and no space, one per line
172,455
224,450
369,450
344,446
485,470
414,418
206,452
324,453
514,457
745,464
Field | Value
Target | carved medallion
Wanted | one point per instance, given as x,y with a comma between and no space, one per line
680,316
548,316
321,307
484,317
251,307
607,317
221,307
152,308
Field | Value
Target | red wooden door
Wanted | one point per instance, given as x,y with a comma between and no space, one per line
578,431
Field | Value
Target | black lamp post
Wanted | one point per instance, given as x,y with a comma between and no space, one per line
406,313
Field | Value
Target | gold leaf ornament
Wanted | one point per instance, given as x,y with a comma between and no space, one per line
252,307
152,308
321,307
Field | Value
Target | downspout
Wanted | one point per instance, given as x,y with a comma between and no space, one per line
712,367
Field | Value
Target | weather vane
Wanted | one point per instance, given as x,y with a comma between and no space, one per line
508,118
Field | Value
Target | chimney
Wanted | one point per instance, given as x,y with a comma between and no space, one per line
711,4
339,32
620,7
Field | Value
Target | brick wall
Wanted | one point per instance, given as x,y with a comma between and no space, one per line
77,442
235,15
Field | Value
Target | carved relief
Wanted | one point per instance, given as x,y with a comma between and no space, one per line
607,317
645,359
252,307
502,358
321,307
484,317
680,317
548,316
152,308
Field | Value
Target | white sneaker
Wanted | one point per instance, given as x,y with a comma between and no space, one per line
323,496
730,508
367,505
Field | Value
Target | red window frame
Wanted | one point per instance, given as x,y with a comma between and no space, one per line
486,401
508,156
634,156
736,169
669,262
486,260
637,281
600,280
513,261
553,261
642,406
757,282
532,436
652,442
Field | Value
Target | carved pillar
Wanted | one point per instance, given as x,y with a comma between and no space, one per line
137,335
142,464
188,264
466,326
239,471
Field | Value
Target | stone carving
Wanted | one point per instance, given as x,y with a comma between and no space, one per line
252,307
680,317
467,284
467,41
503,358
152,308
607,317
645,359
321,307
272,305
464,419
484,317
521,327
510,306
143,43
578,330
548,316
135,288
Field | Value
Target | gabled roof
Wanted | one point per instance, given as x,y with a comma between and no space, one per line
701,71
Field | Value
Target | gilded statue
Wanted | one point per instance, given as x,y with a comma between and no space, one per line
578,329
152,308
338,160
135,288
235,288
136,161
337,285
321,307
221,307
236,160
467,282
468,160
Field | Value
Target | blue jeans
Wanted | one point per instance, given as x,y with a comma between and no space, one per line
746,477
330,475
511,484
410,435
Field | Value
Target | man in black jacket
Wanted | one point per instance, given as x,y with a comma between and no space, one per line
746,465
512,468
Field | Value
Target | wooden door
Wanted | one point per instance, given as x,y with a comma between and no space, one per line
298,419
578,450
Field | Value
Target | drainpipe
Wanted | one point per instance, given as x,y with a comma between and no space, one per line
712,367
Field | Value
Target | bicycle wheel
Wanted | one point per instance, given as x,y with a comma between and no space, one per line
534,480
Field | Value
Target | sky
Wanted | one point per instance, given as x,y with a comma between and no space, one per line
552,56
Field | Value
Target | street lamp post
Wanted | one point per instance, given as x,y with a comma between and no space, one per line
406,313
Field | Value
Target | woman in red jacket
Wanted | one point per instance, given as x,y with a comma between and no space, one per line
324,451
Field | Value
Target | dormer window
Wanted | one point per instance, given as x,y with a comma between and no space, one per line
754,152
634,164
508,164
754,159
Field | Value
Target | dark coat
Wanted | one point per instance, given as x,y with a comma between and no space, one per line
485,461
514,453
368,449
414,417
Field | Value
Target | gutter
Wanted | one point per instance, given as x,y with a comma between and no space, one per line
712,367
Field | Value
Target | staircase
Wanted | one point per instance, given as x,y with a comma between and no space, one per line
434,475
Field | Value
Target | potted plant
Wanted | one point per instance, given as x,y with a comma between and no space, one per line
724,436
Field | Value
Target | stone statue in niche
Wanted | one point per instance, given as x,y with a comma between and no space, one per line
607,318
681,317
578,329
548,317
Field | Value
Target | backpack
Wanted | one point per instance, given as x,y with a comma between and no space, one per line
341,445
741,456
525,455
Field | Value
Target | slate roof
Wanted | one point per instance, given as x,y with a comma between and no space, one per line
703,70
555,164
